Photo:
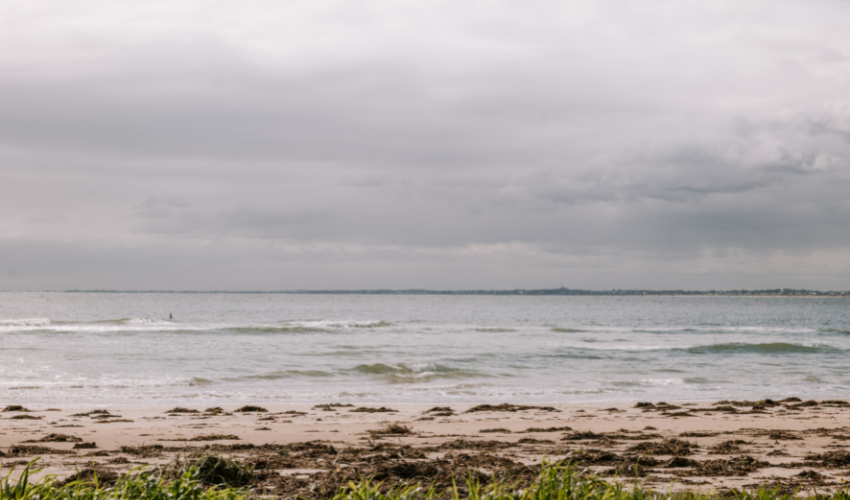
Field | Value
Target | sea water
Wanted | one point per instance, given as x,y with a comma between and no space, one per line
122,349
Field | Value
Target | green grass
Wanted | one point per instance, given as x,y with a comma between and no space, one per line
131,486
556,482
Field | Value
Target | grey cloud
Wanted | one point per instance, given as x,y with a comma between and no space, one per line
426,144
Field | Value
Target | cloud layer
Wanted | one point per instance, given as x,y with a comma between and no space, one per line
367,144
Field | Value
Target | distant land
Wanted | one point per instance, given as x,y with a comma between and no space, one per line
772,292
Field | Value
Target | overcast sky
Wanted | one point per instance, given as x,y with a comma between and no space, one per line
313,144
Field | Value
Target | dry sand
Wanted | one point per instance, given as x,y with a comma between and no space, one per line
703,446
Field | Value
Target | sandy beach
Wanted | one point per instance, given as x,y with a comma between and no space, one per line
708,446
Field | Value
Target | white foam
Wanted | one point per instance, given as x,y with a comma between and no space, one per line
24,322
661,381
148,321
347,323
421,367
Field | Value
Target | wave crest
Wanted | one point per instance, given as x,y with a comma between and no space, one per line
24,322
413,372
768,348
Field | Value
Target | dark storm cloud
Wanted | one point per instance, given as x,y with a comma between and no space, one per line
371,144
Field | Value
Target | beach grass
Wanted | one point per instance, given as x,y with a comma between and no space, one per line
215,477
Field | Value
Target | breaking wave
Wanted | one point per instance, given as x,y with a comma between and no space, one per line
769,348
283,374
309,326
24,322
413,372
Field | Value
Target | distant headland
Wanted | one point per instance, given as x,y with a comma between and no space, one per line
771,292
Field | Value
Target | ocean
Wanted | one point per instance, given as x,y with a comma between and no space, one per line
84,349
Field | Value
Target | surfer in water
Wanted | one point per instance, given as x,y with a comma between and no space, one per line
170,316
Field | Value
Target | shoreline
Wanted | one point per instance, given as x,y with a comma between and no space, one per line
681,445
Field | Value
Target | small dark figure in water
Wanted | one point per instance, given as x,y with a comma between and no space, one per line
170,316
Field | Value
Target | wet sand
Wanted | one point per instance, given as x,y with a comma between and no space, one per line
706,446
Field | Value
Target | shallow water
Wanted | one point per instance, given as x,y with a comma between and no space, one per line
117,348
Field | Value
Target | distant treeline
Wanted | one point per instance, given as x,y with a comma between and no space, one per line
785,292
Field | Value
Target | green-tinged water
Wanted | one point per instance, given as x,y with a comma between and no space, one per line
116,348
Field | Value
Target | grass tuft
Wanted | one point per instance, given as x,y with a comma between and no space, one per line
211,477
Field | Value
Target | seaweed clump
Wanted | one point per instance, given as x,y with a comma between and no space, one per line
671,446
366,409
15,408
727,447
249,408
56,438
509,407
394,429
215,437
214,470
838,458
331,406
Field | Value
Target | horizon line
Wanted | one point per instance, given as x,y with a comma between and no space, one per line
480,291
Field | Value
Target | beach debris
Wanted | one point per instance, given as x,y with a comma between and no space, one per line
549,429
214,410
248,409
678,462
811,475
182,410
145,451
441,411
215,437
738,466
24,450
781,435
535,441
838,458
312,448
805,404
104,477
85,446
331,406
509,407
583,435
763,403
727,447
15,408
501,430
698,434
25,417
465,444
678,414
117,420
90,413
366,409
669,446
213,470
56,438
394,429
778,453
